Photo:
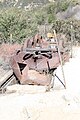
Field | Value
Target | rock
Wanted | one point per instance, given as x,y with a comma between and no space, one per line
73,12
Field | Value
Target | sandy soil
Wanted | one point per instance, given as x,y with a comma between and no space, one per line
58,104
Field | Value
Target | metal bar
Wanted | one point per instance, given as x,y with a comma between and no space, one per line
2,85
60,58
71,40
6,80
60,80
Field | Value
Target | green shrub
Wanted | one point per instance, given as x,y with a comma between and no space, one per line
65,28
15,22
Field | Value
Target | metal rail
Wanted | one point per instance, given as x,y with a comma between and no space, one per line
7,79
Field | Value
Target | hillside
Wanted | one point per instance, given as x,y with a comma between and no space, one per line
20,19
22,3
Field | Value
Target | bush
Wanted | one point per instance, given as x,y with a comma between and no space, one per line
17,24
65,28
14,25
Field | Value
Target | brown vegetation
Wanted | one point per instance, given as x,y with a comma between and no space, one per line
6,50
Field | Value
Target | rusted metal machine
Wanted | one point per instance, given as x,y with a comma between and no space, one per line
36,61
